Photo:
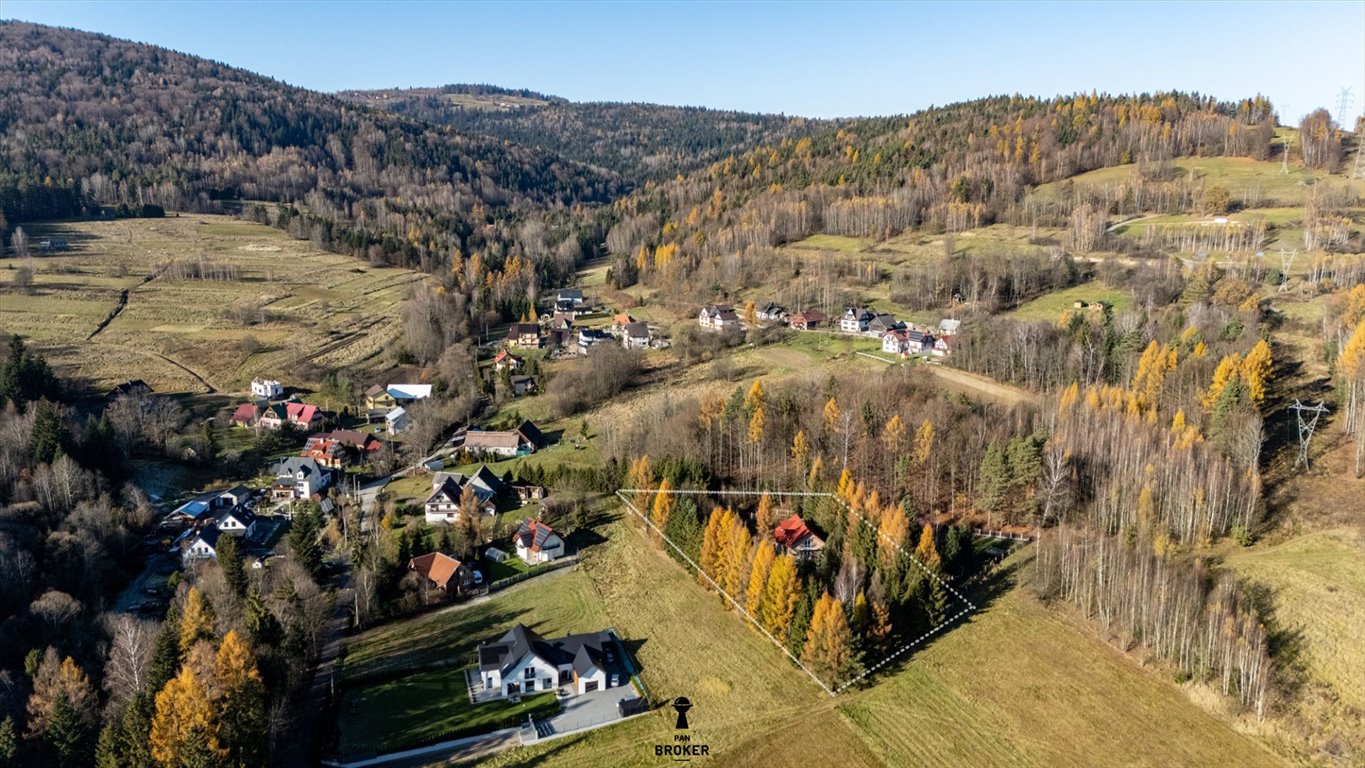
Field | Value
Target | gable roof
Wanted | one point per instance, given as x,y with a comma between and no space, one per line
581,652
374,390
533,534
479,439
395,415
242,515
792,530
301,412
437,567
295,464
245,414
637,330
448,490
409,391
809,316
517,330
531,433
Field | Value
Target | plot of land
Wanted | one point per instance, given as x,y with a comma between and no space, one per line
275,306
1049,307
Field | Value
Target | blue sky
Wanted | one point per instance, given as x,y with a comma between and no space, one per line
814,59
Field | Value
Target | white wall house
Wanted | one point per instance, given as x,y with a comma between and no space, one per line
522,662
537,542
267,388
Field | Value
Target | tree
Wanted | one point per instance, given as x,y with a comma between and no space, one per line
304,546
640,476
800,451
128,666
827,652
711,542
924,444
70,733
663,505
184,729
994,479
764,557
1229,368
9,741
230,560
893,529
1256,369
734,554
56,681
196,623
780,596
763,518
241,701
167,654
1216,201
927,550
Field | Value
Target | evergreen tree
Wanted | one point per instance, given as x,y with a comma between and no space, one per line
48,433
230,560
108,747
685,530
135,749
994,479
241,702
261,624
69,733
9,741
167,655
304,545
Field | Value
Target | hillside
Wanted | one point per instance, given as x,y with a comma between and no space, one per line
88,120
641,142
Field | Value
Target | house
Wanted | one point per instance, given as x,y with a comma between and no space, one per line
212,502
537,542
396,421
590,337
573,297
363,442
330,453
407,394
521,661
855,320
266,388
131,388
772,313
804,321
377,398
522,385
506,361
442,572
486,484
619,321
893,342
298,477
236,521
523,335
882,323
245,415
303,415
443,505
561,338
948,327
199,544
526,438
943,346
273,417
561,321
635,336
718,317
796,539
918,342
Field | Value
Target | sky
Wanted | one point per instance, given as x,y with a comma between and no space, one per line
806,58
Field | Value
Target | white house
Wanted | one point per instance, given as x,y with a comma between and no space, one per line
298,477
947,327
718,317
237,521
201,544
635,336
893,342
855,320
443,505
523,662
537,542
266,388
397,420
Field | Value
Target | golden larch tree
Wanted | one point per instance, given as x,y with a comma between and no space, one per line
827,652
764,557
780,596
196,620
185,730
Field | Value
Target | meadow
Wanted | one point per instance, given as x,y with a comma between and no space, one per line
281,309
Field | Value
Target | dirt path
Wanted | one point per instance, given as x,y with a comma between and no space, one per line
1004,393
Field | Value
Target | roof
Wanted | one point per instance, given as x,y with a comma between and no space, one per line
531,433
295,464
241,514
374,389
437,567
245,413
790,531
637,330
810,316
409,391
449,490
354,437
516,330
480,439
209,534
949,326
621,318
302,412
505,355
533,534
570,293
581,652
395,414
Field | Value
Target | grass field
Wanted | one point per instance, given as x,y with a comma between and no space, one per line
287,306
1049,306
1017,685
1251,182
424,707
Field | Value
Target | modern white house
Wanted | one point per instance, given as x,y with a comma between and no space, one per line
396,421
537,542
298,477
201,544
522,662
443,505
266,388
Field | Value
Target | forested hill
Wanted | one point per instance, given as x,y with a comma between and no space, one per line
639,141
87,119
950,168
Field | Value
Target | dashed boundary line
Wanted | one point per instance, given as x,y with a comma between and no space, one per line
621,493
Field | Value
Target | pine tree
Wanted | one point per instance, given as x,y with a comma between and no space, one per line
827,652
134,748
780,596
184,731
304,546
927,550
994,479
240,706
197,622
70,733
685,531
9,741
764,556
167,654
861,621
230,560
738,542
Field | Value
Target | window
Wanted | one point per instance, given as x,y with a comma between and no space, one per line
528,673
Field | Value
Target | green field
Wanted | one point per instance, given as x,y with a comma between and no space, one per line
426,707
282,305
1250,182
1049,307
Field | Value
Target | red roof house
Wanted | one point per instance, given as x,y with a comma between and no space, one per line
797,539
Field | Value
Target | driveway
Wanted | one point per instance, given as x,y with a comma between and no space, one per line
585,710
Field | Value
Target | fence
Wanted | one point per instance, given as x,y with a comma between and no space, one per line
1002,535
554,565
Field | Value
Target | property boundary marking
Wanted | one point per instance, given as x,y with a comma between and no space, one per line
621,493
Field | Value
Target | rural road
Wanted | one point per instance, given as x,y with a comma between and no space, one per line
306,744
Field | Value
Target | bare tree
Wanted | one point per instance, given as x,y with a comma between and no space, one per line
130,655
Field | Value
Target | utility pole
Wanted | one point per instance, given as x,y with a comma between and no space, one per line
1306,427
1284,159
1286,261
1343,104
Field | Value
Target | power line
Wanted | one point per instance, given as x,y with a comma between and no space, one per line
1344,99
